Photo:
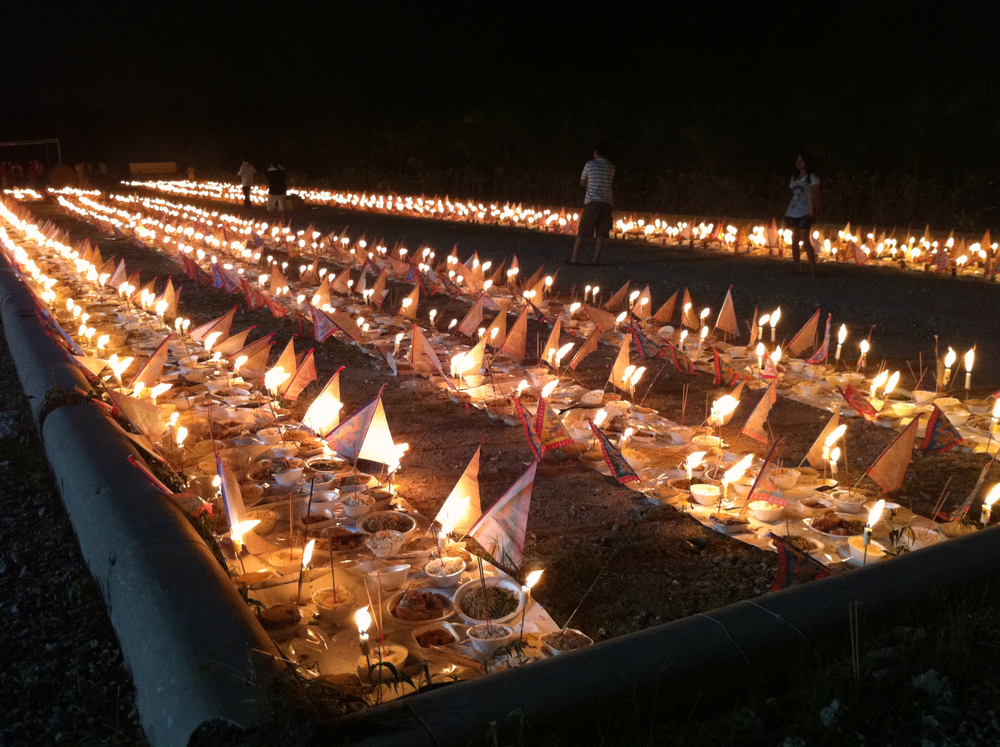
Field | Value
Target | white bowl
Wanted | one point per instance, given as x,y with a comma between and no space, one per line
374,518
504,583
786,478
391,577
979,406
762,511
681,434
445,626
922,397
798,366
330,612
706,495
821,498
707,442
488,646
904,409
447,581
555,651
269,435
288,479
854,379
385,544
356,512
947,403
811,389
958,417
876,550
840,499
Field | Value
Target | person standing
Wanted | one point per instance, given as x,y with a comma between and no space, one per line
246,174
802,210
277,188
596,220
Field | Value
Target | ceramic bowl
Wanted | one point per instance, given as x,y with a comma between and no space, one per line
922,397
764,511
332,611
785,478
486,641
706,495
504,583
443,580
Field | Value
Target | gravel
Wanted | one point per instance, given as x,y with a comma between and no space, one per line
62,676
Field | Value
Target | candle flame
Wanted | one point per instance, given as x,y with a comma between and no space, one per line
363,619
694,459
949,360
532,579
994,494
970,358
737,471
308,553
835,454
842,334
548,388
835,435
876,513
775,316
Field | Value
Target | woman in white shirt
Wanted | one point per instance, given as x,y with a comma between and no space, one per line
802,210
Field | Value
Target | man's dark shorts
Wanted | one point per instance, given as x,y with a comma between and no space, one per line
596,220
804,223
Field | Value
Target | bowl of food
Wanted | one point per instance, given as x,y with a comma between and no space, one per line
785,478
814,505
342,541
286,561
848,501
979,406
486,639
498,600
382,520
706,441
947,404
334,607
799,542
267,518
372,668
437,634
562,641
385,543
318,480
390,577
281,621
327,463
316,521
288,478
903,409
743,486
445,572
810,388
706,495
269,436
836,526
356,483
382,499
854,379
958,417
922,396
856,546
681,434
766,511
357,505
419,606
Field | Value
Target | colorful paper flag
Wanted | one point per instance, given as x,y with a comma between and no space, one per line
889,469
503,528
550,429
857,402
530,435
616,461
795,567
940,435
823,351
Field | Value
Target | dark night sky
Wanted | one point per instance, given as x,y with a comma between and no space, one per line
390,92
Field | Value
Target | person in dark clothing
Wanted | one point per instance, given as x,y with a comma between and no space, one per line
277,189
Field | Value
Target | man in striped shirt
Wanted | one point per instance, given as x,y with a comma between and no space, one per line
596,219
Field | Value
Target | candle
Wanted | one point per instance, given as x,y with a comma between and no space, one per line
988,504
841,336
692,461
834,458
877,382
970,358
949,361
529,582
363,619
864,354
775,316
760,357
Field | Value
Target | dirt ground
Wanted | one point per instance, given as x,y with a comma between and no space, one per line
646,564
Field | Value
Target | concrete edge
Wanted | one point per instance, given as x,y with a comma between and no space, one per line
192,644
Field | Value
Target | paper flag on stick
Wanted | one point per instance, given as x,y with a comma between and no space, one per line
805,336
517,337
754,427
601,318
304,375
323,414
530,435
141,413
323,327
230,345
346,324
503,528
552,344
222,325
727,315
617,376
815,453
339,283
588,347
642,308
688,317
617,301
499,325
621,470
462,507
151,373
940,435
753,328
666,312
286,361
550,429
321,298
823,351
472,319
364,435
889,469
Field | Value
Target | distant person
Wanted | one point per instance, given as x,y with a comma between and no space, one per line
191,175
246,174
277,188
596,220
802,210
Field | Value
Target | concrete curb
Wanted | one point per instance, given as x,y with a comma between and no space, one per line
720,652
188,638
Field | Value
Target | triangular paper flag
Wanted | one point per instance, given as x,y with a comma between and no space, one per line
805,336
753,328
588,347
617,301
409,306
735,394
286,361
815,454
642,308
278,285
94,365
473,318
496,333
364,435
231,345
550,429
421,348
552,344
304,375
340,283
323,414
462,508
727,316
223,324
890,468
602,319
754,427
346,324
321,298
517,337
621,363
502,529
666,312
688,317
142,413
378,289
256,363
151,373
